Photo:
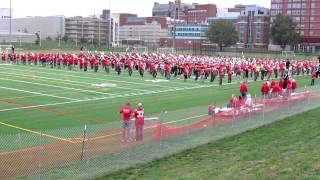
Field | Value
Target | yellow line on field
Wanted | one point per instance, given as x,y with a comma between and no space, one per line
35,132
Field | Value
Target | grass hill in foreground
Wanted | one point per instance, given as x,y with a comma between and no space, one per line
288,149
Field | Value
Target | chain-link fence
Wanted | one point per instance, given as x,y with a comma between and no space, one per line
96,150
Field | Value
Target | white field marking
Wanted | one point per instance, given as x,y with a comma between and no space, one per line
73,82
61,87
68,72
194,87
37,93
103,98
112,75
5,64
116,96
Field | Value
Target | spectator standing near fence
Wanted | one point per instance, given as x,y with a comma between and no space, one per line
139,122
265,90
244,90
126,112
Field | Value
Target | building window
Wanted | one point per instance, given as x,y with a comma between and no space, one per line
311,25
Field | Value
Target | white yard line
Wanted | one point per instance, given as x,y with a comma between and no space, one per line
111,75
61,87
85,77
76,83
37,93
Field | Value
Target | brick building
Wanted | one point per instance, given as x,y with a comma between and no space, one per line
142,31
306,13
191,13
253,27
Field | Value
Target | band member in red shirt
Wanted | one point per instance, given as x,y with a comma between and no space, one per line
139,122
229,76
126,112
3,57
313,77
221,76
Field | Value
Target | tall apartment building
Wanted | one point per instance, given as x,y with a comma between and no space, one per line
190,13
5,13
306,13
253,27
89,29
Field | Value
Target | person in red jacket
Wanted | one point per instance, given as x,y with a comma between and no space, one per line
232,102
265,90
244,90
273,83
126,112
313,77
276,91
293,85
139,122
281,83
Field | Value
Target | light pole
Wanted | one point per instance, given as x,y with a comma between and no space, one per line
10,24
76,38
109,38
92,40
39,33
59,40
99,32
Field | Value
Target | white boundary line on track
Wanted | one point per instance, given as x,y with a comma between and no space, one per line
37,93
73,82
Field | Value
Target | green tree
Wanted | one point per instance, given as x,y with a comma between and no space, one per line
222,33
283,31
65,38
83,40
48,38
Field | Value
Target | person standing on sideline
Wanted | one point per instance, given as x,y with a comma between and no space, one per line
139,122
244,90
126,112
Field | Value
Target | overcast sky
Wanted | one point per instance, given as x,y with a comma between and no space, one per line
24,8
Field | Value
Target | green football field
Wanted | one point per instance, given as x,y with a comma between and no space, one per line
36,98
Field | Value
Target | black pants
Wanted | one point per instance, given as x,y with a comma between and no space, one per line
312,82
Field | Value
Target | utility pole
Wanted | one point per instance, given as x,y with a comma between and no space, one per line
10,24
109,38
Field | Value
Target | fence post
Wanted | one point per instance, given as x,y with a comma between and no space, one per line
83,141
40,155
161,135
263,108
